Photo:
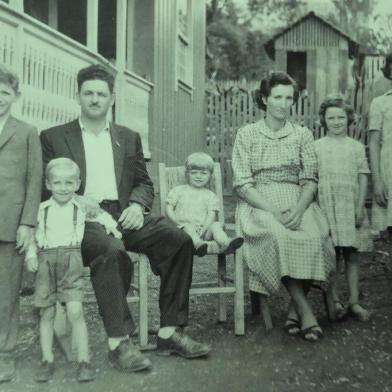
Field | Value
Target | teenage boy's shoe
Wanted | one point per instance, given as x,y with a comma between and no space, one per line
7,368
182,345
85,372
127,358
45,372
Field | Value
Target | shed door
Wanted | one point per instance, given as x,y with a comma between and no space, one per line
296,68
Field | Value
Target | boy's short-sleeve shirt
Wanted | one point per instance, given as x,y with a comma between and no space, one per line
191,205
60,228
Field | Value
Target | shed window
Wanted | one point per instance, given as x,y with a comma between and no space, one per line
184,42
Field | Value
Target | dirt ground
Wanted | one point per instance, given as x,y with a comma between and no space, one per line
352,356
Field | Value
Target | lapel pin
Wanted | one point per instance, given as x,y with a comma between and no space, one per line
117,143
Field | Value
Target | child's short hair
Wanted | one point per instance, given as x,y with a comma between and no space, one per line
199,160
96,72
9,78
336,101
62,163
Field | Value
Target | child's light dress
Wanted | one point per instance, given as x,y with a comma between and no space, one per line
340,160
191,205
380,120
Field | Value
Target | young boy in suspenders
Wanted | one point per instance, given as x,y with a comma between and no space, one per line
56,257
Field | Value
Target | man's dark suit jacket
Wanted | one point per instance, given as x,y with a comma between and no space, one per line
133,181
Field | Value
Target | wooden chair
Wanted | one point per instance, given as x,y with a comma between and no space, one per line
223,285
258,302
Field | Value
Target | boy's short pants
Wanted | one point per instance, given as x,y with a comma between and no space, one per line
59,276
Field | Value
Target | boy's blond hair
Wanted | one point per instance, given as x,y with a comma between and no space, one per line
199,160
9,78
62,163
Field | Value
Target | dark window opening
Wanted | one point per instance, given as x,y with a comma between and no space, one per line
72,19
296,68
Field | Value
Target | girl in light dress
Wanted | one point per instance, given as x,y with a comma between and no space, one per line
342,187
193,207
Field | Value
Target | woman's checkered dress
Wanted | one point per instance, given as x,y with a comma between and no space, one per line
277,163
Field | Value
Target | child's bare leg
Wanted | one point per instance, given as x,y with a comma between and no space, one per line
192,232
219,235
334,279
226,243
46,325
79,329
352,275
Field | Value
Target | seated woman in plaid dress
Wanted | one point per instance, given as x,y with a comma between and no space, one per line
285,232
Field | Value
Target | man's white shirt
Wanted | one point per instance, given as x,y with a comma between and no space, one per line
100,173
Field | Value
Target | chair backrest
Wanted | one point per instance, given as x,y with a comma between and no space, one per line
169,177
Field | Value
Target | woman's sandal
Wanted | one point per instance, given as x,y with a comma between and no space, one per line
312,334
292,326
362,315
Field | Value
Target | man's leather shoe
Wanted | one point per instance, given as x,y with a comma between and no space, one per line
182,345
127,358
7,369
45,372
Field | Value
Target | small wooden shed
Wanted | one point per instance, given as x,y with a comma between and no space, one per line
316,54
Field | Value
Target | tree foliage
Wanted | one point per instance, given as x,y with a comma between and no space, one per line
235,43
235,36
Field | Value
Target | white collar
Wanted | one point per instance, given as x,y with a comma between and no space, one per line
84,129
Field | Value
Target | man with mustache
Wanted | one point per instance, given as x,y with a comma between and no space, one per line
114,178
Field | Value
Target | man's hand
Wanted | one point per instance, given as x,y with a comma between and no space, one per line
132,218
380,193
32,263
23,237
89,205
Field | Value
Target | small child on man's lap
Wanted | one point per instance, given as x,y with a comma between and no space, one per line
193,207
56,257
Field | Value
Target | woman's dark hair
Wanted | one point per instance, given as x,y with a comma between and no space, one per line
273,79
95,72
336,102
386,69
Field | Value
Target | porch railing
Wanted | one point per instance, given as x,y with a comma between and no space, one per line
47,63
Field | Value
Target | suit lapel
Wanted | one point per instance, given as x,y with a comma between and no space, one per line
9,130
118,152
74,140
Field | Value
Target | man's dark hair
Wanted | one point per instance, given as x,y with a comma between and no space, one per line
273,79
96,72
386,69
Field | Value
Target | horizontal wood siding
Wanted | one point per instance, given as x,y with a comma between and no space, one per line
178,115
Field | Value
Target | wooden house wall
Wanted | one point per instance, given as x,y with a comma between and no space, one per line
327,56
178,121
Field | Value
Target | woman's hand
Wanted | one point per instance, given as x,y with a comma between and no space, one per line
380,193
292,218
359,216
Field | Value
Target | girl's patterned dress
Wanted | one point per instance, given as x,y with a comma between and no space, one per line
277,164
340,160
380,120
